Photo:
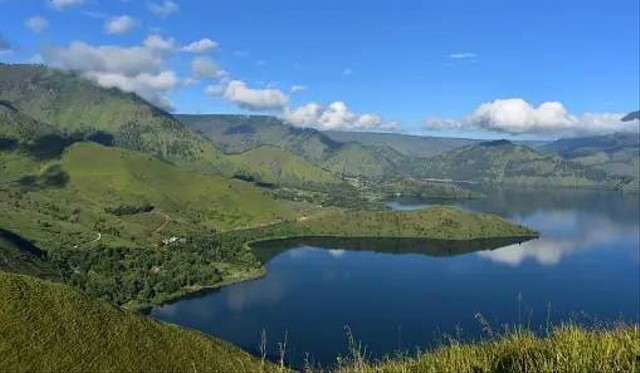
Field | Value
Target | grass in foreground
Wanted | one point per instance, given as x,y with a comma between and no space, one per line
568,348
48,327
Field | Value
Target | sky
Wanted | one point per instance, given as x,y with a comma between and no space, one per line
468,68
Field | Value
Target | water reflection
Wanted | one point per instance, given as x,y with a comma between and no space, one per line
586,260
336,246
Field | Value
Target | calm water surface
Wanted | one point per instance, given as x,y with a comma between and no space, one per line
405,295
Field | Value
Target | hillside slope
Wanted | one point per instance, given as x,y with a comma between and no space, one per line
411,146
66,201
53,328
617,154
274,165
73,104
505,162
240,133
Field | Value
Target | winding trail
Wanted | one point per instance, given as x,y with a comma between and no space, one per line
167,219
98,238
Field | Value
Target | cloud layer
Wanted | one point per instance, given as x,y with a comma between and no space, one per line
138,69
119,25
65,4
517,116
336,116
239,93
37,24
163,9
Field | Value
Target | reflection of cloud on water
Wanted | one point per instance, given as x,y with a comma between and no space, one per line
336,253
565,233
545,252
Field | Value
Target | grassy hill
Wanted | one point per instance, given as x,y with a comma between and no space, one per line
411,146
73,104
505,162
240,133
617,154
274,165
51,327
65,201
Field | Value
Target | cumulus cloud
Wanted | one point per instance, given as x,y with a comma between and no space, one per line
138,69
239,93
462,55
163,9
298,88
157,42
119,25
201,46
65,4
335,116
205,68
37,24
517,116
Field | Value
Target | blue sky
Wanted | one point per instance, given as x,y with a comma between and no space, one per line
423,67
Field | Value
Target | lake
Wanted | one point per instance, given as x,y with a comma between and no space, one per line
401,295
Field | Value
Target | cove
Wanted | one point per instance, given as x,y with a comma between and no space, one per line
399,295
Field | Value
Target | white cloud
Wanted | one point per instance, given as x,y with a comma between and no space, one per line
151,87
517,116
138,69
215,90
462,55
335,116
254,99
164,9
201,46
205,68
120,25
157,42
65,4
298,88
37,24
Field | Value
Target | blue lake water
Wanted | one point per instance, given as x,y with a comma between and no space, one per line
401,296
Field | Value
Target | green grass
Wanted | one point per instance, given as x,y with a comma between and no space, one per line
277,166
101,177
568,348
48,327
438,222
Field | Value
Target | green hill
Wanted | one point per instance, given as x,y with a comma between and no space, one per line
73,104
505,162
274,165
240,133
66,200
617,154
411,146
48,327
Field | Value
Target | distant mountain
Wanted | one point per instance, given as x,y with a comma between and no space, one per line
72,104
412,146
631,116
618,154
504,162
240,133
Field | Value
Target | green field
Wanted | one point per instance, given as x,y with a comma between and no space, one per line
47,327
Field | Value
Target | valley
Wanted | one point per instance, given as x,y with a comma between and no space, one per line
112,206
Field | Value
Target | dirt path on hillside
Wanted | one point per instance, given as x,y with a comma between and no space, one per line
167,219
